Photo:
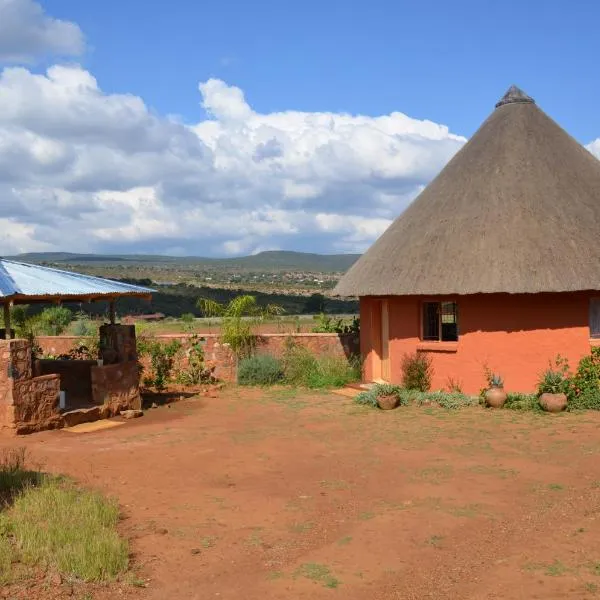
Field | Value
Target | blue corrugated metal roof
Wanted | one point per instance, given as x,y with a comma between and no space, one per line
22,279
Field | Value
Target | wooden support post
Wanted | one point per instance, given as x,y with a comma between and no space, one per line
7,326
112,311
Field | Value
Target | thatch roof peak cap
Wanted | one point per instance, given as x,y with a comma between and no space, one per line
515,95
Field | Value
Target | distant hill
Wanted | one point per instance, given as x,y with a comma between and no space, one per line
273,260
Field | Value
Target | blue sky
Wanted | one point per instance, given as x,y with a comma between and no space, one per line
232,127
440,60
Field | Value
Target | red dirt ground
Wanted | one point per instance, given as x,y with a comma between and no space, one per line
276,494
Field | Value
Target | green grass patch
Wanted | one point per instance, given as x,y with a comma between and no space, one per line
52,523
317,573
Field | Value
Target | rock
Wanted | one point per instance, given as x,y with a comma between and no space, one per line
154,405
162,531
131,414
195,551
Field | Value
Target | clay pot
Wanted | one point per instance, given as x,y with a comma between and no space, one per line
495,397
553,403
387,402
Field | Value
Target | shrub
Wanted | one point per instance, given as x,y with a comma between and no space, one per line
517,401
302,368
162,359
583,388
238,321
327,324
196,371
260,369
55,320
417,371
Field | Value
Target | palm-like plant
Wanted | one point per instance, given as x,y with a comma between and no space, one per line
238,319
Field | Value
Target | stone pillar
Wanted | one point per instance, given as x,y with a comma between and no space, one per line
117,344
15,366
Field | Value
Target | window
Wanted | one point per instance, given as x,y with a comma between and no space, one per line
595,317
440,321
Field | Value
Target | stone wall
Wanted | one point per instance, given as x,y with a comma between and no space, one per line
36,404
116,387
31,403
219,354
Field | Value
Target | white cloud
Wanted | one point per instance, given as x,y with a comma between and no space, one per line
594,148
88,171
26,33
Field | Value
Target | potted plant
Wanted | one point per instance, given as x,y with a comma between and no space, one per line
551,390
495,396
388,396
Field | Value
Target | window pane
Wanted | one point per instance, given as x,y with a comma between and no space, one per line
449,322
431,323
595,317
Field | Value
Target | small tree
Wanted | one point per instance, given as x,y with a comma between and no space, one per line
238,320
55,320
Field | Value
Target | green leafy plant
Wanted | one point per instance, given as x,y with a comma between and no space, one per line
196,370
328,324
238,321
55,320
162,360
302,368
555,379
260,369
517,401
417,371
495,381
583,388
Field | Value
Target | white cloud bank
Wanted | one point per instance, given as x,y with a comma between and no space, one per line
87,171
26,33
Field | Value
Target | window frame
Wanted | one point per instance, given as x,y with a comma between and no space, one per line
439,304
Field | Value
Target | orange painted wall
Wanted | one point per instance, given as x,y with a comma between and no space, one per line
514,335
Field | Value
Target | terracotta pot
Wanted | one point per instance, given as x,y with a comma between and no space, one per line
553,403
495,397
387,402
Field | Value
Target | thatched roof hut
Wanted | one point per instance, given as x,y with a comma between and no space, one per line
516,210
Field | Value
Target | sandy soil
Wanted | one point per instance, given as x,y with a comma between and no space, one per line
277,494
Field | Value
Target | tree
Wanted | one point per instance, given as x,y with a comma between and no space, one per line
55,320
239,318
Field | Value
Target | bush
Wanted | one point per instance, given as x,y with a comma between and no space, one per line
517,401
328,324
261,369
302,368
55,320
417,371
162,359
197,370
583,388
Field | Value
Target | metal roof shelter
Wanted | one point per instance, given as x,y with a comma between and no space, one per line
22,283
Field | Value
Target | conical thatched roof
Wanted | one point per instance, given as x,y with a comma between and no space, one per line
516,210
